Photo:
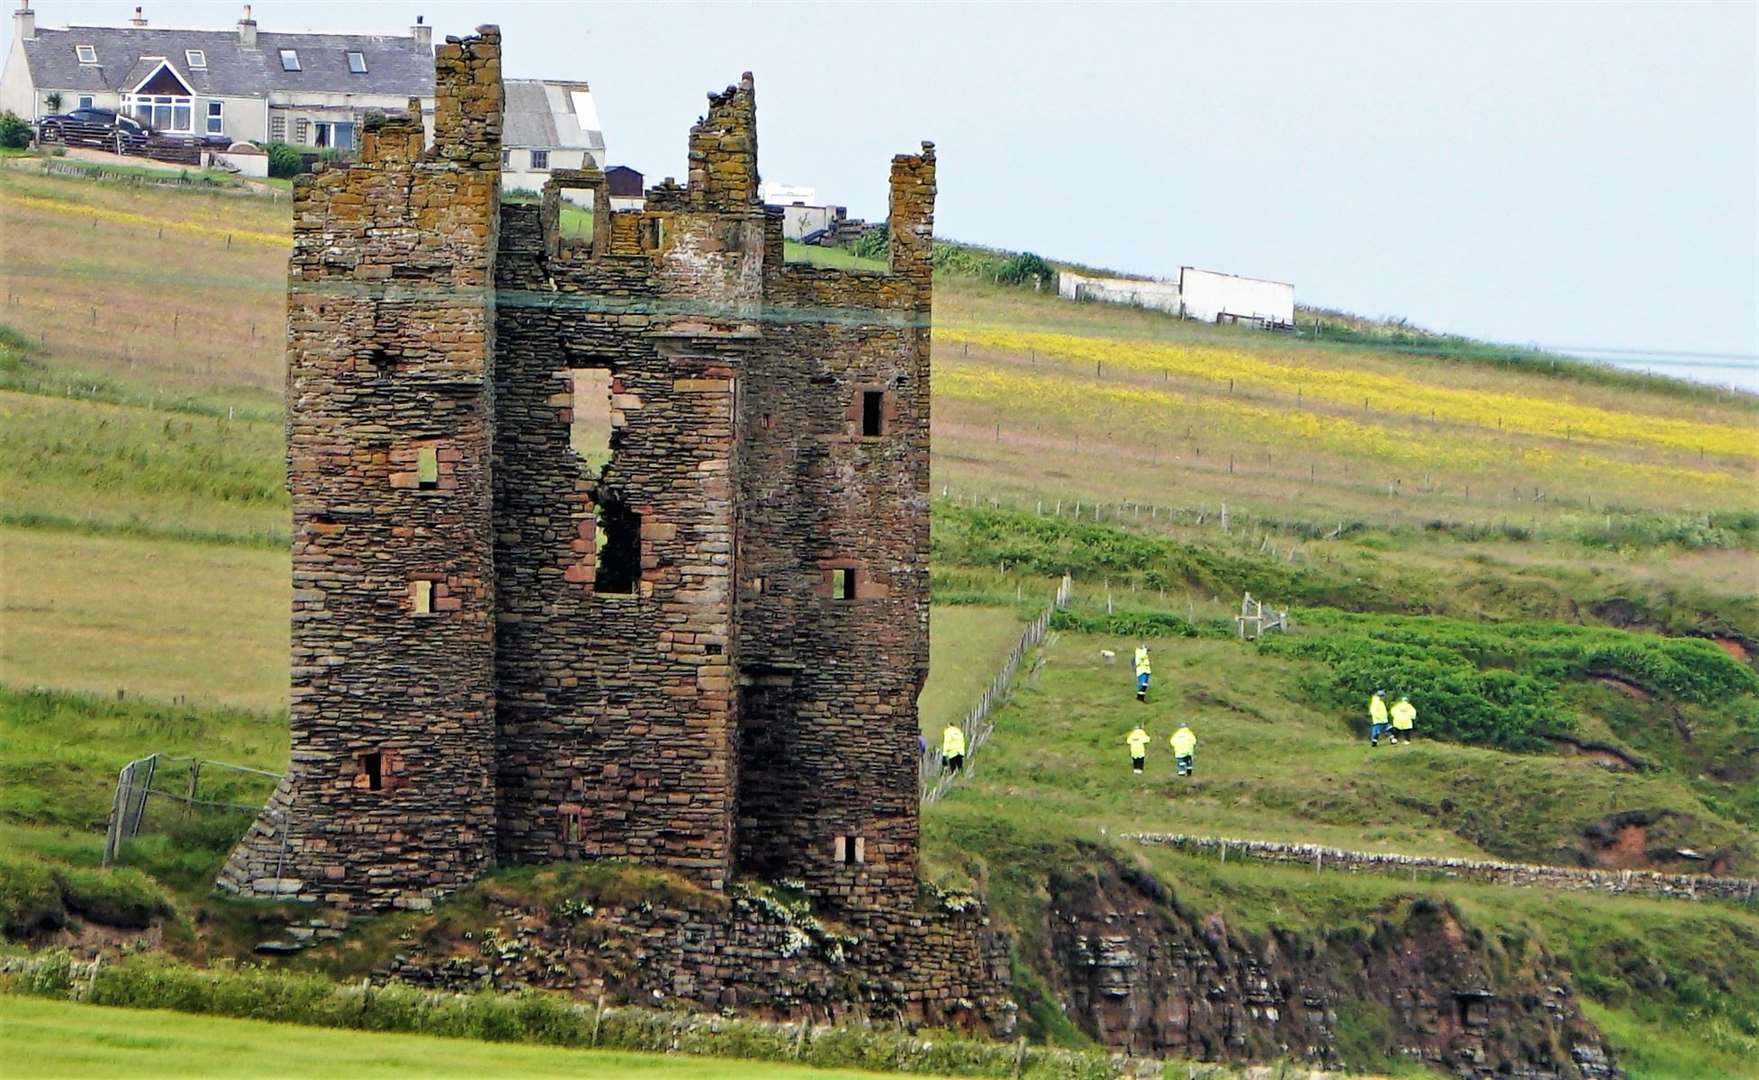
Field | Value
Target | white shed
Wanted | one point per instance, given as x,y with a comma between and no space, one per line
1212,296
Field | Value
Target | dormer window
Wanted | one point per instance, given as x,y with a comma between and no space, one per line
196,57
357,62
290,60
88,54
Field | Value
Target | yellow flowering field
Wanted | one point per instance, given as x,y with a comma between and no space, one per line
1543,416
1152,415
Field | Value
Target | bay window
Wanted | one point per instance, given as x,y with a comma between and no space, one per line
162,112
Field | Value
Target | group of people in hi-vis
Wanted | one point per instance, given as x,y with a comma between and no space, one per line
1400,719
1183,741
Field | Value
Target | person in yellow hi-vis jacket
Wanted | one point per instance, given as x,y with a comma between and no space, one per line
1184,749
1404,715
1376,717
953,748
1138,740
1142,672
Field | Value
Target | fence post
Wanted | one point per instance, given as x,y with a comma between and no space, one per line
195,771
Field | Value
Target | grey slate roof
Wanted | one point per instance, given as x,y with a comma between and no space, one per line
394,65
541,114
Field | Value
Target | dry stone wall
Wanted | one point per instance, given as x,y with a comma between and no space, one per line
1638,882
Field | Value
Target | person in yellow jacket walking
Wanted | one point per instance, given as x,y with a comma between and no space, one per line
1142,673
953,748
1404,715
1138,740
1376,717
1184,749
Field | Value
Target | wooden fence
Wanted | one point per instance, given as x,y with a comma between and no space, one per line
977,725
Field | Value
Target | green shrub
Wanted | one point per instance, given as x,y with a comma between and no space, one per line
1498,684
1024,268
963,260
875,243
15,132
1136,624
284,161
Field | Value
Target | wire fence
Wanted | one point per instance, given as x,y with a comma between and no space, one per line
936,778
163,793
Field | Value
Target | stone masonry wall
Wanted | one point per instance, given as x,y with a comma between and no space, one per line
830,727
389,800
1639,882
703,654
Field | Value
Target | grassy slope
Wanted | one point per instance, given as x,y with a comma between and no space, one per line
145,526
967,646
58,1039
1274,767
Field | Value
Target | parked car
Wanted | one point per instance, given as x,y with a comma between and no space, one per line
94,127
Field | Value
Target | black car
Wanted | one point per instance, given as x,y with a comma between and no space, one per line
94,127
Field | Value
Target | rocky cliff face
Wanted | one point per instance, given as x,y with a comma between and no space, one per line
1143,975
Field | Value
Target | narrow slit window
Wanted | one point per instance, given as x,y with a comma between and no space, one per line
851,850
842,583
427,468
571,828
873,413
421,597
372,770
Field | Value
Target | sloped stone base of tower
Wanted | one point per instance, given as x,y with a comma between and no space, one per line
941,965
282,857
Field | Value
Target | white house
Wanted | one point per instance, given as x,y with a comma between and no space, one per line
305,89
549,125
1216,297
802,213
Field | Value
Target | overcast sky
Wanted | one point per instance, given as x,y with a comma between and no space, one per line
1573,174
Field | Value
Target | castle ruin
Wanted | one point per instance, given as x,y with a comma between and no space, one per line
703,654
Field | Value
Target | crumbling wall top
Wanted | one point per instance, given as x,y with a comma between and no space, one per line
723,151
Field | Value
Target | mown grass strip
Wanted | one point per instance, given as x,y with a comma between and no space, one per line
536,1017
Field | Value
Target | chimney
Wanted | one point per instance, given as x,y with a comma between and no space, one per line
24,22
247,30
424,34
139,19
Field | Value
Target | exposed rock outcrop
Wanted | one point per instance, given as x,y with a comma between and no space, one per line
1145,976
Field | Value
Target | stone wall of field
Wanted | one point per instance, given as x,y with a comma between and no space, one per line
1525,875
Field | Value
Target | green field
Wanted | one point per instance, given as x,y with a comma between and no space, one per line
967,645
1534,550
54,1040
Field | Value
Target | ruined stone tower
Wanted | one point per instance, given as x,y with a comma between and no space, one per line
703,654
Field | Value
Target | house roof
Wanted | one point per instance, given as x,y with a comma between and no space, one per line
550,114
395,66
